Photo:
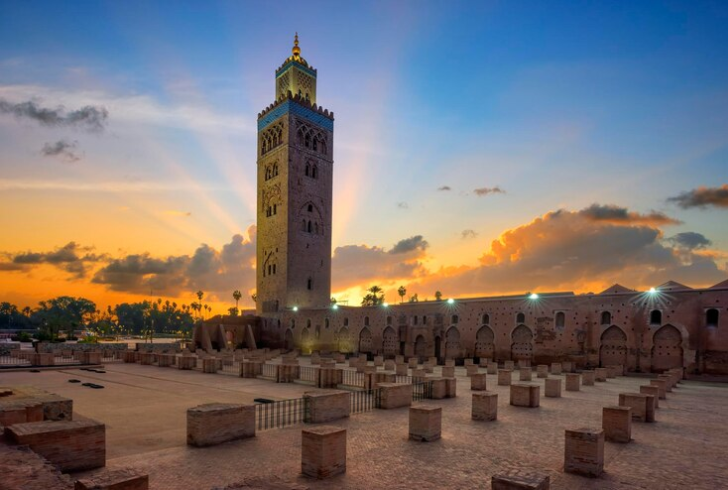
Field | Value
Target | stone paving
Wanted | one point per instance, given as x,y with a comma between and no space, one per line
144,408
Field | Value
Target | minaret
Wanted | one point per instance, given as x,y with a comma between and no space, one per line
295,176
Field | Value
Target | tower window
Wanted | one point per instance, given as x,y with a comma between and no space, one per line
606,318
315,172
655,317
346,322
711,317
309,284
520,318
414,320
454,319
308,168
310,208
366,321
560,319
486,319
389,320
309,227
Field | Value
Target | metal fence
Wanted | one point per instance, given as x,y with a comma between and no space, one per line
13,361
421,391
269,371
364,401
352,378
308,374
230,367
281,413
401,379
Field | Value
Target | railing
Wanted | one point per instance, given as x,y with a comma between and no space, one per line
401,379
364,401
13,361
230,367
281,414
269,371
352,378
65,361
421,391
308,374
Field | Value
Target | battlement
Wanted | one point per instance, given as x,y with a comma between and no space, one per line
298,100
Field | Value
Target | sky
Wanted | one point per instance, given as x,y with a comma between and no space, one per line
482,148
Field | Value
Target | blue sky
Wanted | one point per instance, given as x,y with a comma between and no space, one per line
559,104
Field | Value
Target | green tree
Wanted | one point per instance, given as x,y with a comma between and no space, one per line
438,296
402,291
373,297
63,312
236,296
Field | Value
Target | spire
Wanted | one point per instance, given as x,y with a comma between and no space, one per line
296,50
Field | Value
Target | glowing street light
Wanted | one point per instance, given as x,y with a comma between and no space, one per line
335,307
295,308
652,291
450,301
385,304
533,296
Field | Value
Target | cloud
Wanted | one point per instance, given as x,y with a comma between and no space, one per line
484,191
468,234
570,250
703,197
444,188
690,240
72,258
360,265
616,214
402,205
216,272
410,244
88,118
63,148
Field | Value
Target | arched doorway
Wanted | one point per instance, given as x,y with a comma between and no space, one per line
484,343
365,340
521,343
344,341
420,346
390,342
452,343
613,350
288,340
306,341
667,352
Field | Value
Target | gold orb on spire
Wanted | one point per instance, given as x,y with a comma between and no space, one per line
296,50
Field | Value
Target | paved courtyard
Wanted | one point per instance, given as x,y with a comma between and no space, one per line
144,408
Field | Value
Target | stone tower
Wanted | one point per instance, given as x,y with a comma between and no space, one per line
295,176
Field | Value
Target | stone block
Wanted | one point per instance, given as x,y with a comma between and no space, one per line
190,362
617,423
661,386
43,359
556,368
20,412
520,480
524,363
209,365
450,363
478,382
323,451
600,374
588,377
542,371
378,361
467,362
643,406
439,388
215,423
651,390
418,373
611,372
402,369
573,382
484,362
398,359
509,365
452,386
165,360
429,368
129,356
552,388
146,358
584,452
504,377
412,362
567,367
425,423
353,362
485,406
389,365
525,395
492,368
471,369
393,395
524,374
325,406
669,382
122,479
69,445
448,372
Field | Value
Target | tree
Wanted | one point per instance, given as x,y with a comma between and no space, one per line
333,301
63,312
373,297
438,296
236,296
414,298
401,291
254,297
233,311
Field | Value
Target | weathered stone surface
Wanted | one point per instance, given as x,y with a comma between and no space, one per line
643,406
525,395
54,407
485,406
584,452
215,423
617,423
553,387
22,469
492,368
448,372
122,479
521,480
651,390
542,371
327,406
323,451
425,423
439,388
600,374
395,395
504,377
556,368
70,445
524,374
661,386
478,382
573,382
588,377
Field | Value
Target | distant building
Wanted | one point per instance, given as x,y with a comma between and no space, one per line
671,326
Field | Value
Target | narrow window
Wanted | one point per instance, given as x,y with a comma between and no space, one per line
414,320
560,319
346,322
326,323
389,320
309,284
711,317
606,318
520,318
275,209
310,208
315,172
307,169
424,319
486,319
454,319
366,321
656,317
309,227
274,268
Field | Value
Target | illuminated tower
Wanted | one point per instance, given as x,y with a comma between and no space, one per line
295,175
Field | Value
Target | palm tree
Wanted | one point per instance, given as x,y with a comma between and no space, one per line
236,296
401,291
200,294
438,296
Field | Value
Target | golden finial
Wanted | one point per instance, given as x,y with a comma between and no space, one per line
296,50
